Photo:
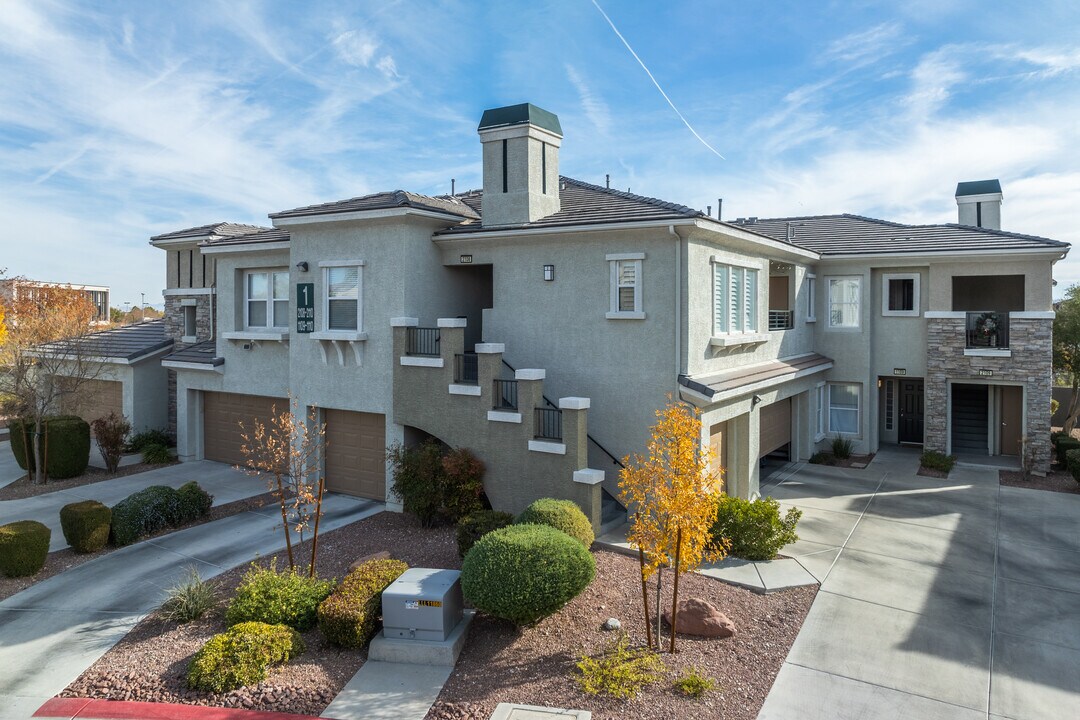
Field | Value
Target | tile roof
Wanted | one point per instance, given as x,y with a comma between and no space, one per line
266,236
585,204
128,342
222,229
384,200
204,353
857,235
771,373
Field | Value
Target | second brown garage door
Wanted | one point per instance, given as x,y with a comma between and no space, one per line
775,428
222,415
95,399
356,453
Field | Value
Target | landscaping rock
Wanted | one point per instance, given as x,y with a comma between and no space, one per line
381,555
611,624
700,617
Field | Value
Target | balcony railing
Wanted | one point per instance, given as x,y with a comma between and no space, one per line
781,319
504,395
422,341
548,423
466,369
987,329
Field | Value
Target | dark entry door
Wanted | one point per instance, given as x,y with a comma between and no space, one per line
911,411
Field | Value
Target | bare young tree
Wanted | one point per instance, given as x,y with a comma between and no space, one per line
45,360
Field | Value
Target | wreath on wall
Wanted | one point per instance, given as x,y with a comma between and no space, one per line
987,324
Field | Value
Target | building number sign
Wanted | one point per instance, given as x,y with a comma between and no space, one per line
305,307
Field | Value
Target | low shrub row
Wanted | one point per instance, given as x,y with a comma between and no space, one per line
934,460
349,615
156,508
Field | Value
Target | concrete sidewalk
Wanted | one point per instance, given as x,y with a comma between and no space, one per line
224,482
51,632
954,598
9,469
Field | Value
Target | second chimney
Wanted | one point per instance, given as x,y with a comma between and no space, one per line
978,203
521,164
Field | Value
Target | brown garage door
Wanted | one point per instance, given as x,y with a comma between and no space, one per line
356,453
775,428
94,399
222,415
719,444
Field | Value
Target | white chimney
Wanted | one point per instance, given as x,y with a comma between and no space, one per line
978,203
521,164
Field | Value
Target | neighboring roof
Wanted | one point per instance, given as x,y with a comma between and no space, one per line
741,378
585,204
221,229
978,187
204,353
266,236
519,115
857,235
382,201
129,342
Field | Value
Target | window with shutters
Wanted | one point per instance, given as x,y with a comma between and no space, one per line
735,299
342,297
625,302
266,300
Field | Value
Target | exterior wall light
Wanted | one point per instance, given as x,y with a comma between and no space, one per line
302,266
754,401
549,272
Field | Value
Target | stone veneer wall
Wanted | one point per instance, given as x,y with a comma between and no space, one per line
205,326
1030,341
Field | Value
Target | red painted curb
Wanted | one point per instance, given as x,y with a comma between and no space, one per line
123,710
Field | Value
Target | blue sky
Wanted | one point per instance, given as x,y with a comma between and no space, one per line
120,120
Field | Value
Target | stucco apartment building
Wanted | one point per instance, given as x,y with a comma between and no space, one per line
542,320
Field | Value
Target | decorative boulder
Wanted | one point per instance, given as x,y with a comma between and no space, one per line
699,617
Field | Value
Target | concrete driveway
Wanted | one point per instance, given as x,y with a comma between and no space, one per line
224,482
951,598
9,469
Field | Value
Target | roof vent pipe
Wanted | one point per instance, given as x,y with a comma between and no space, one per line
719,207
607,181
453,182
708,210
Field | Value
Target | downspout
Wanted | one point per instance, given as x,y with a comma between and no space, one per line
678,307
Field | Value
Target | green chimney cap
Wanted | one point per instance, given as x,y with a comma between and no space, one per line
518,115
978,187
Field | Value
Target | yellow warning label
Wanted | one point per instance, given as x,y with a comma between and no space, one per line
430,603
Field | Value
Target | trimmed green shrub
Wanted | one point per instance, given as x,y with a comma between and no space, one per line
1072,461
144,512
349,615
523,573
841,448
278,598
934,460
109,432
68,445
140,440
1064,445
155,454
463,484
24,546
188,599
562,515
242,656
194,501
477,524
86,525
755,528
437,487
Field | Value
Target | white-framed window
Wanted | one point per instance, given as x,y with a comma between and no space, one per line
190,323
266,299
811,298
342,308
822,411
735,299
625,300
845,294
844,408
900,294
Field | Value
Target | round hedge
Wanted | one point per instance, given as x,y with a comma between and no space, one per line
562,515
194,501
24,545
86,525
143,513
523,573
67,439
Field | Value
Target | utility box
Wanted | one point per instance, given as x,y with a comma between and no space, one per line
422,604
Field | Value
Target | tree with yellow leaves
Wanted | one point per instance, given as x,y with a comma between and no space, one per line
287,451
672,492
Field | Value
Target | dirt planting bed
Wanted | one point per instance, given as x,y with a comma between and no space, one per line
1055,480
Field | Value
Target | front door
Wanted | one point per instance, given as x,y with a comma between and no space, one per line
1012,397
911,411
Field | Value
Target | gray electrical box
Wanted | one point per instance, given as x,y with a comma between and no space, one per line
422,604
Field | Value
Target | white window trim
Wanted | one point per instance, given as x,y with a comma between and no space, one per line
858,315
614,313
811,297
342,334
269,272
726,336
191,330
885,278
858,410
822,424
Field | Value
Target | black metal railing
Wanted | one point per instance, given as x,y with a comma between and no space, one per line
781,319
548,423
988,329
423,341
504,394
466,369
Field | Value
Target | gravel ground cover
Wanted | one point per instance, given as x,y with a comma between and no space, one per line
24,487
1055,480
65,559
500,663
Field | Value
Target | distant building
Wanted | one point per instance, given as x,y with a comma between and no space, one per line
98,294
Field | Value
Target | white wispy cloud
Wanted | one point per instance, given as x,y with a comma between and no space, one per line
867,46
596,110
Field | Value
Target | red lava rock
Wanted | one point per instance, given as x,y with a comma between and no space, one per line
701,618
